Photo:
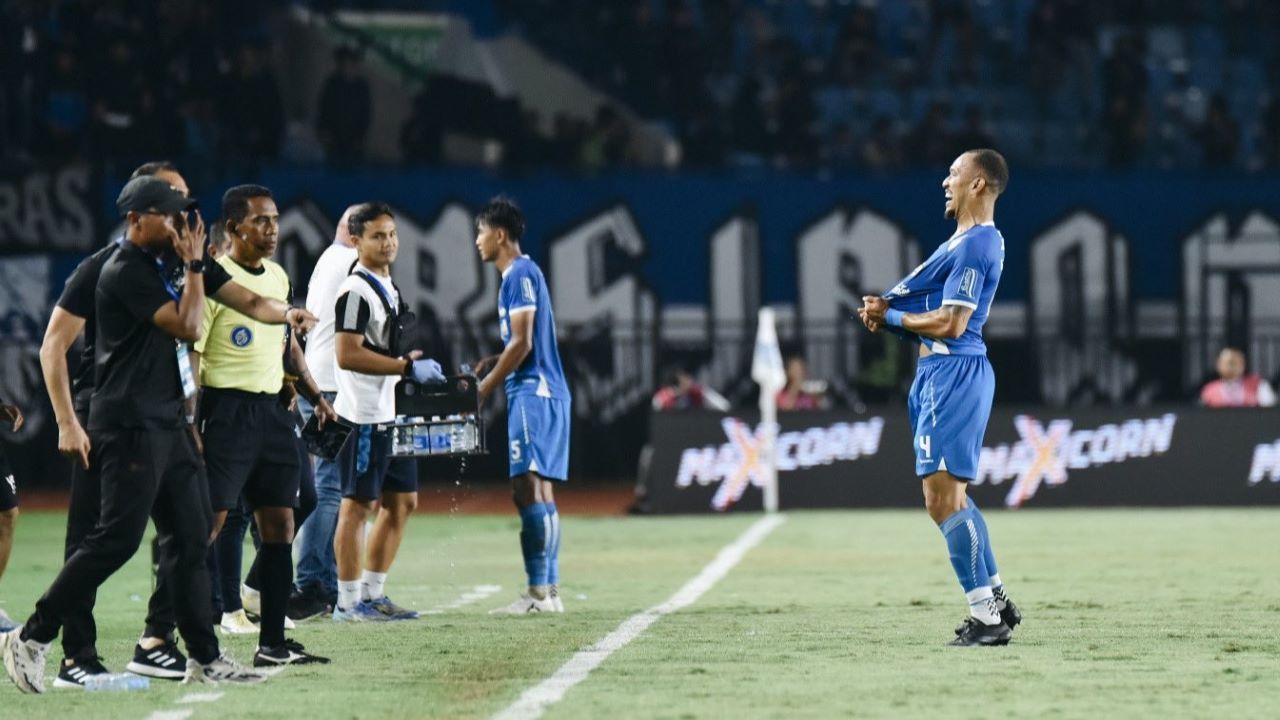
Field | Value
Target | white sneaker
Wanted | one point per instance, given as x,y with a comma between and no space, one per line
222,670
554,597
251,600
23,661
526,604
237,623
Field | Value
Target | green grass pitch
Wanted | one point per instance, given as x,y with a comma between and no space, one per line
1129,613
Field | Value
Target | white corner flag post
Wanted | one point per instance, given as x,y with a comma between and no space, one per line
767,371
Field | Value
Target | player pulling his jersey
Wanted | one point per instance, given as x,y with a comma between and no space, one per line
943,305
538,402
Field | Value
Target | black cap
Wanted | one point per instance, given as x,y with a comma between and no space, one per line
151,193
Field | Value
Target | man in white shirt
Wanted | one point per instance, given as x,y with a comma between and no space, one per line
317,576
369,317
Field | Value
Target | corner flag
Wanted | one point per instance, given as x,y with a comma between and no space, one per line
769,374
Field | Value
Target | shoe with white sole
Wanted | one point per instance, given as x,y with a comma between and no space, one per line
554,597
222,669
251,601
23,661
74,673
237,623
392,610
361,612
163,662
525,605
290,653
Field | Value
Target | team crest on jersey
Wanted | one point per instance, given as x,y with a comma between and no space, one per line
241,336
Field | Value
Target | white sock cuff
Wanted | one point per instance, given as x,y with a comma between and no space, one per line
979,595
996,582
370,576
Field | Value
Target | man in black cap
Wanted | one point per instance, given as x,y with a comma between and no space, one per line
146,464
156,654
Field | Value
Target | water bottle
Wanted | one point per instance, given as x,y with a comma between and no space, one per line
441,439
464,437
116,682
421,440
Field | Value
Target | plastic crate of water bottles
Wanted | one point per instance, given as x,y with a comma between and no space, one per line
449,435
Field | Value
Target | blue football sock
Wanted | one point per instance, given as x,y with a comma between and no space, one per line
988,555
553,547
964,543
535,532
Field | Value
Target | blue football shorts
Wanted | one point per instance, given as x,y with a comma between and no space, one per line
538,436
949,405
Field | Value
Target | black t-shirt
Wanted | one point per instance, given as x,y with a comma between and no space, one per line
78,298
135,362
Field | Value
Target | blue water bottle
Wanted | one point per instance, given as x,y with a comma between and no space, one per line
116,682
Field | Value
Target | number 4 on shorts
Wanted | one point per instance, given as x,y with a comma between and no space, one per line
925,442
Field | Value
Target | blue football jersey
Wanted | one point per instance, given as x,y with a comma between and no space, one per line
524,289
965,270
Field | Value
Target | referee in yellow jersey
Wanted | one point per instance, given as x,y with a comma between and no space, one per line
248,435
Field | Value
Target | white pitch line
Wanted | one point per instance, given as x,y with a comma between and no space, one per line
534,701
170,715
475,594
200,698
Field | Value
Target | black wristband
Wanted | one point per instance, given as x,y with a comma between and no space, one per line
196,266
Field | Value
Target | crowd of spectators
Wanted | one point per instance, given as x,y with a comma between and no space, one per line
883,85
840,84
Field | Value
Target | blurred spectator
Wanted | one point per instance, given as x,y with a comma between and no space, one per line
606,144
66,113
250,112
1235,388
121,97
1218,135
422,134
346,103
1271,134
842,149
930,143
856,49
1126,132
974,134
801,393
703,141
882,150
680,391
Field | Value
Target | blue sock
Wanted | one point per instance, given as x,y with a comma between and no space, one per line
535,532
988,555
553,549
964,544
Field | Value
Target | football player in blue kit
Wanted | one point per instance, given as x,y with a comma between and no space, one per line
943,305
538,401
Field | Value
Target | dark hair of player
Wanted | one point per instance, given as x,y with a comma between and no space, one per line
502,212
151,168
235,202
993,168
365,214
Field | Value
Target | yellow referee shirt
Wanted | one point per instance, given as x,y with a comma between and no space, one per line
236,351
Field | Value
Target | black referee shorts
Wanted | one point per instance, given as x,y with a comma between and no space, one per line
248,449
8,484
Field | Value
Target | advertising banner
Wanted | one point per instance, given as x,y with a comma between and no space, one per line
705,462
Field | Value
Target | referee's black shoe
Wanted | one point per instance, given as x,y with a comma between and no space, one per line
164,662
290,653
975,633
307,603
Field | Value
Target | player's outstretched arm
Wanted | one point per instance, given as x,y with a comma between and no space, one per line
517,349
64,327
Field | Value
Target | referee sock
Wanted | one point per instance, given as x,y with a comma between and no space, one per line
276,569
553,545
373,585
535,530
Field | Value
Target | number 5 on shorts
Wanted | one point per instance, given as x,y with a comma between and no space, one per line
925,442
515,451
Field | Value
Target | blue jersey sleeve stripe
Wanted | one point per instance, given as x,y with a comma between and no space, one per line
963,303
